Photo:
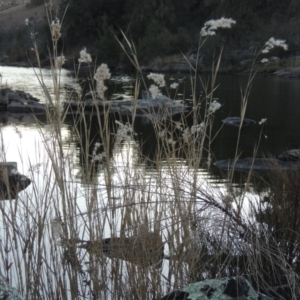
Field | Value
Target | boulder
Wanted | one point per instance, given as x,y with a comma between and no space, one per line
161,107
7,292
293,72
290,155
256,164
228,288
11,181
19,102
236,121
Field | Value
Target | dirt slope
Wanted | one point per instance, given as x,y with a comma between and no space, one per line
14,17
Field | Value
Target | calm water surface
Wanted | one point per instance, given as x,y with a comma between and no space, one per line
22,140
273,98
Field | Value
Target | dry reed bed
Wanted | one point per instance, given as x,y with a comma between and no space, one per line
118,230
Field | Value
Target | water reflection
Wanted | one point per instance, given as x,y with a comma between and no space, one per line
271,98
28,80
122,194
280,133
110,181
7,119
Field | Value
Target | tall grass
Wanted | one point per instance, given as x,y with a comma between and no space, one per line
121,230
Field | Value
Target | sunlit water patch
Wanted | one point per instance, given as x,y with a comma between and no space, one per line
30,79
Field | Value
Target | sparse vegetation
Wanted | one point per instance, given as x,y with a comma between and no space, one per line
164,29
68,235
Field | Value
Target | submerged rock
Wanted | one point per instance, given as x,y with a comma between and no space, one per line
256,164
225,288
11,181
290,155
236,121
161,107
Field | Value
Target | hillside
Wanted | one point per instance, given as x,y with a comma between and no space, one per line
14,13
160,30
14,17
15,39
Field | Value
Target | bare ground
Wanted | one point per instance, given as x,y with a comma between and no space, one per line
14,17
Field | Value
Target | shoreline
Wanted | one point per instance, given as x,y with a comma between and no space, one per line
176,68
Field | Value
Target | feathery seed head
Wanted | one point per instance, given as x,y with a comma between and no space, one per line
159,79
155,91
101,74
262,121
84,56
214,106
272,43
55,29
174,85
211,26
59,61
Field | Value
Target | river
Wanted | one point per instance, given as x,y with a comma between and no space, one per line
273,98
130,180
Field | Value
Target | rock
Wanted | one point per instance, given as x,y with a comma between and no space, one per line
7,292
194,56
217,289
236,121
146,95
256,164
246,62
11,181
290,72
169,67
26,107
273,58
161,107
290,155
19,102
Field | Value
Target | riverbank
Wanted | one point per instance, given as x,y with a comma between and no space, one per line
286,69
271,70
13,18
12,27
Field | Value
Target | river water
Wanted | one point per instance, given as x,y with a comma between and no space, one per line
23,141
273,98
